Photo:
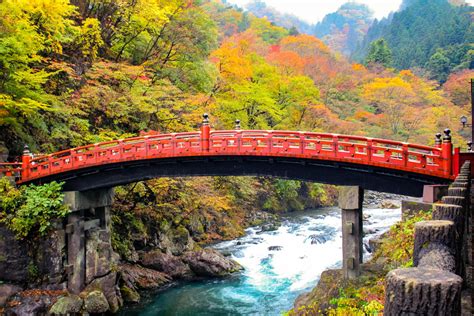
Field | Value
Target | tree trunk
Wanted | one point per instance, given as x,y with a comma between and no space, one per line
422,291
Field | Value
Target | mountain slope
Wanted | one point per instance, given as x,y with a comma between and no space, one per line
289,21
431,34
343,29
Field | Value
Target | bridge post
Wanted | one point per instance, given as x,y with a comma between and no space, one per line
89,212
205,132
350,202
25,162
75,268
447,152
438,140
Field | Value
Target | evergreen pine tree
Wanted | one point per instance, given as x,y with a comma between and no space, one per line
379,53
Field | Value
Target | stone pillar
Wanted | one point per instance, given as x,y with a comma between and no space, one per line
90,213
422,291
75,253
434,193
350,202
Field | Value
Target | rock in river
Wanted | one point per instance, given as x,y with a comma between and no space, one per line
67,305
275,248
95,303
135,276
166,263
210,263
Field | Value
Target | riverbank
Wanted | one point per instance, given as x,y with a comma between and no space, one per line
155,235
279,265
151,250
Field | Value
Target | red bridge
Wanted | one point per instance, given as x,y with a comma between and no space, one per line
376,164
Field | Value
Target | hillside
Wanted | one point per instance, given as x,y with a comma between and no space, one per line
434,35
288,21
345,28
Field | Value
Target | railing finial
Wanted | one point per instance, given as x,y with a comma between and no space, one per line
447,136
237,124
26,150
438,140
205,120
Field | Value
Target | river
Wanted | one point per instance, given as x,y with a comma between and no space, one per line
279,265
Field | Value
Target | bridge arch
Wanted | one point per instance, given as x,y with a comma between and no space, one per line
375,164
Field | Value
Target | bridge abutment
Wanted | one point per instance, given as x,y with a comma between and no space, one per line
350,202
88,230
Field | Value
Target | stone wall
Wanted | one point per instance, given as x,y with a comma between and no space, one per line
442,259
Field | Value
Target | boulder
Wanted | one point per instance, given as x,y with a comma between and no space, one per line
318,239
32,302
194,225
328,287
95,302
109,287
210,263
376,242
137,277
7,290
389,204
176,241
50,255
275,248
166,263
130,295
67,305
268,227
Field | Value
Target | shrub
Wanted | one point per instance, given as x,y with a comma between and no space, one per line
31,209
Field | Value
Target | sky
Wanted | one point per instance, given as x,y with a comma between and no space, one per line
313,11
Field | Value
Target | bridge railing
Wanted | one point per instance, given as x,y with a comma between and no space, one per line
434,161
10,169
328,146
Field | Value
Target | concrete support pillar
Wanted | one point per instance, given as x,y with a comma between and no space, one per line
350,202
75,253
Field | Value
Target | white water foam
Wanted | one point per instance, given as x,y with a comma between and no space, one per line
303,247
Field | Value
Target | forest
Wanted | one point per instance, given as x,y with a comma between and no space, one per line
76,72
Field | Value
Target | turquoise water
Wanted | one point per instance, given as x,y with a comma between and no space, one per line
273,277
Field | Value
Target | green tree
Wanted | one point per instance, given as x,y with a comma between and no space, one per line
379,53
293,31
29,31
439,66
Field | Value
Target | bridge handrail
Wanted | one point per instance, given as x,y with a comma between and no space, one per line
10,169
379,141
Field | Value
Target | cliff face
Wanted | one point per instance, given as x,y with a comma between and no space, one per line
35,273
